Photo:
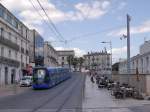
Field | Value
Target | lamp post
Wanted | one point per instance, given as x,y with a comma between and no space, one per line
110,53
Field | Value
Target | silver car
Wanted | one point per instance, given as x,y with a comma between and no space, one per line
26,81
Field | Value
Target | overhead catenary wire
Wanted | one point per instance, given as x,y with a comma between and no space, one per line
45,20
92,33
51,22
60,35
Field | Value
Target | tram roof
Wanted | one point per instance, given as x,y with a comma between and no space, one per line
53,69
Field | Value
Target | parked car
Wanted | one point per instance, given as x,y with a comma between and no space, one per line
26,81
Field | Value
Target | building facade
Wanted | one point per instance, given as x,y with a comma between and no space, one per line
98,61
14,47
141,61
139,76
63,57
36,51
50,55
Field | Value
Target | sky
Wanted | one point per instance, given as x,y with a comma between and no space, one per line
86,23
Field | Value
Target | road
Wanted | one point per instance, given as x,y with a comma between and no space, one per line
65,97
77,94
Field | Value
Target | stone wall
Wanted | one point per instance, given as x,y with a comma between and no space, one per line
143,84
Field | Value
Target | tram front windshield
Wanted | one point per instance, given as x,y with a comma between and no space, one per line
39,75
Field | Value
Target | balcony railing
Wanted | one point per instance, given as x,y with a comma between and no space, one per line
9,62
9,43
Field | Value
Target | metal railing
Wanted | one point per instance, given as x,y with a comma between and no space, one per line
9,43
9,62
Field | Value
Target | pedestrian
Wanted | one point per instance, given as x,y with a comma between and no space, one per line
92,79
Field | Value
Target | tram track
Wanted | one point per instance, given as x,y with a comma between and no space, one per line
70,94
52,98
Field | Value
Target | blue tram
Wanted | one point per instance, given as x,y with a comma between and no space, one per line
46,77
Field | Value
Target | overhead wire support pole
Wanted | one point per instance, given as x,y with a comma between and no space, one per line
128,47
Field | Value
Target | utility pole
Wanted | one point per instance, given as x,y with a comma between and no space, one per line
128,46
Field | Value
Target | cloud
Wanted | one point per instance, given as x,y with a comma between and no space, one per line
121,53
122,5
143,28
78,51
24,10
118,53
92,10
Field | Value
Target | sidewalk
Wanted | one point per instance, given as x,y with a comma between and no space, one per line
100,100
11,90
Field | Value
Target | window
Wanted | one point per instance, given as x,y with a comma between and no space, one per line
1,12
2,51
9,36
1,32
62,63
9,18
142,65
133,64
9,53
147,61
62,58
26,33
15,24
21,29
16,40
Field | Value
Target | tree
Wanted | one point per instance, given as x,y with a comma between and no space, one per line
75,63
70,60
80,60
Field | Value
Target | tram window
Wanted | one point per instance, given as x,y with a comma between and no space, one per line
40,73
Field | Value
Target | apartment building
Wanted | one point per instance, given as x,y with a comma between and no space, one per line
50,55
14,47
98,61
63,55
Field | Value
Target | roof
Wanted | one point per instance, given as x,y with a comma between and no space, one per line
65,50
97,53
13,15
136,57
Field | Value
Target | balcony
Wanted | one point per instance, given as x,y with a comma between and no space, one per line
9,43
9,62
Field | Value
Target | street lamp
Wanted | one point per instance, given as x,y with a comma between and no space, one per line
110,53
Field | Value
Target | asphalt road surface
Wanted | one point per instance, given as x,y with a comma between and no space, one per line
65,97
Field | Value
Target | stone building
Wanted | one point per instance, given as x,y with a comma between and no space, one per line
98,61
50,55
141,62
63,55
14,47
